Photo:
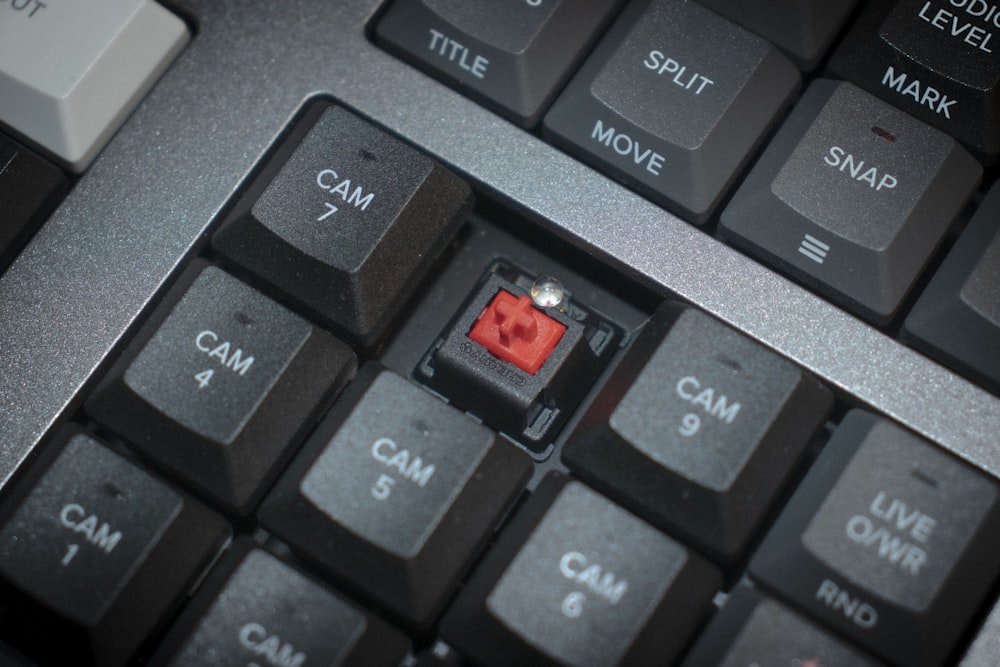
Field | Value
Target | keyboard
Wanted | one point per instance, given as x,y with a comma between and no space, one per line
543,332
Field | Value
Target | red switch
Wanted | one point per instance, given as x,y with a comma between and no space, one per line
512,329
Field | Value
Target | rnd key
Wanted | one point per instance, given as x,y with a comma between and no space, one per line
873,542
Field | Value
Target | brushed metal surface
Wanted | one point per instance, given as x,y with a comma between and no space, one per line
984,650
142,207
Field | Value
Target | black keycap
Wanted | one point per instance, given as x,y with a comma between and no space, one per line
395,493
254,609
957,318
753,629
221,384
576,580
95,554
348,225
30,188
935,60
803,29
888,540
852,197
672,102
512,56
698,429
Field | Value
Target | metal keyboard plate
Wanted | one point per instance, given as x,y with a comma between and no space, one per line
145,203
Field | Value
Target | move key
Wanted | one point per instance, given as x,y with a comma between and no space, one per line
672,102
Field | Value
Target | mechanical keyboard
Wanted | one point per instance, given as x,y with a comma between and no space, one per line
537,332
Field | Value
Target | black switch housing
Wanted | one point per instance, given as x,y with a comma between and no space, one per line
529,407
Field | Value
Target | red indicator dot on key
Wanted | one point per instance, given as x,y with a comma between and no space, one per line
512,329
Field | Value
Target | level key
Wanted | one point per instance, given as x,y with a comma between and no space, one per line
934,59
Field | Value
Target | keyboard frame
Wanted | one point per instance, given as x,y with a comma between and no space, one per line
134,219
144,207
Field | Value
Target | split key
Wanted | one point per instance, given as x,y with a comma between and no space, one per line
672,102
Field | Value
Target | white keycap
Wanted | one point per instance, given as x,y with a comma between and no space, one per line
72,70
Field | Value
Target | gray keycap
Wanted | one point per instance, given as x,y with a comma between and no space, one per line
710,428
581,617
270,614
723,391
589,585
672,102
88,538
774,634
980,291
348,224
101,549
897,531
223,385
216,356
403,476
512,56
957,318
889,540
396,492
852,197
